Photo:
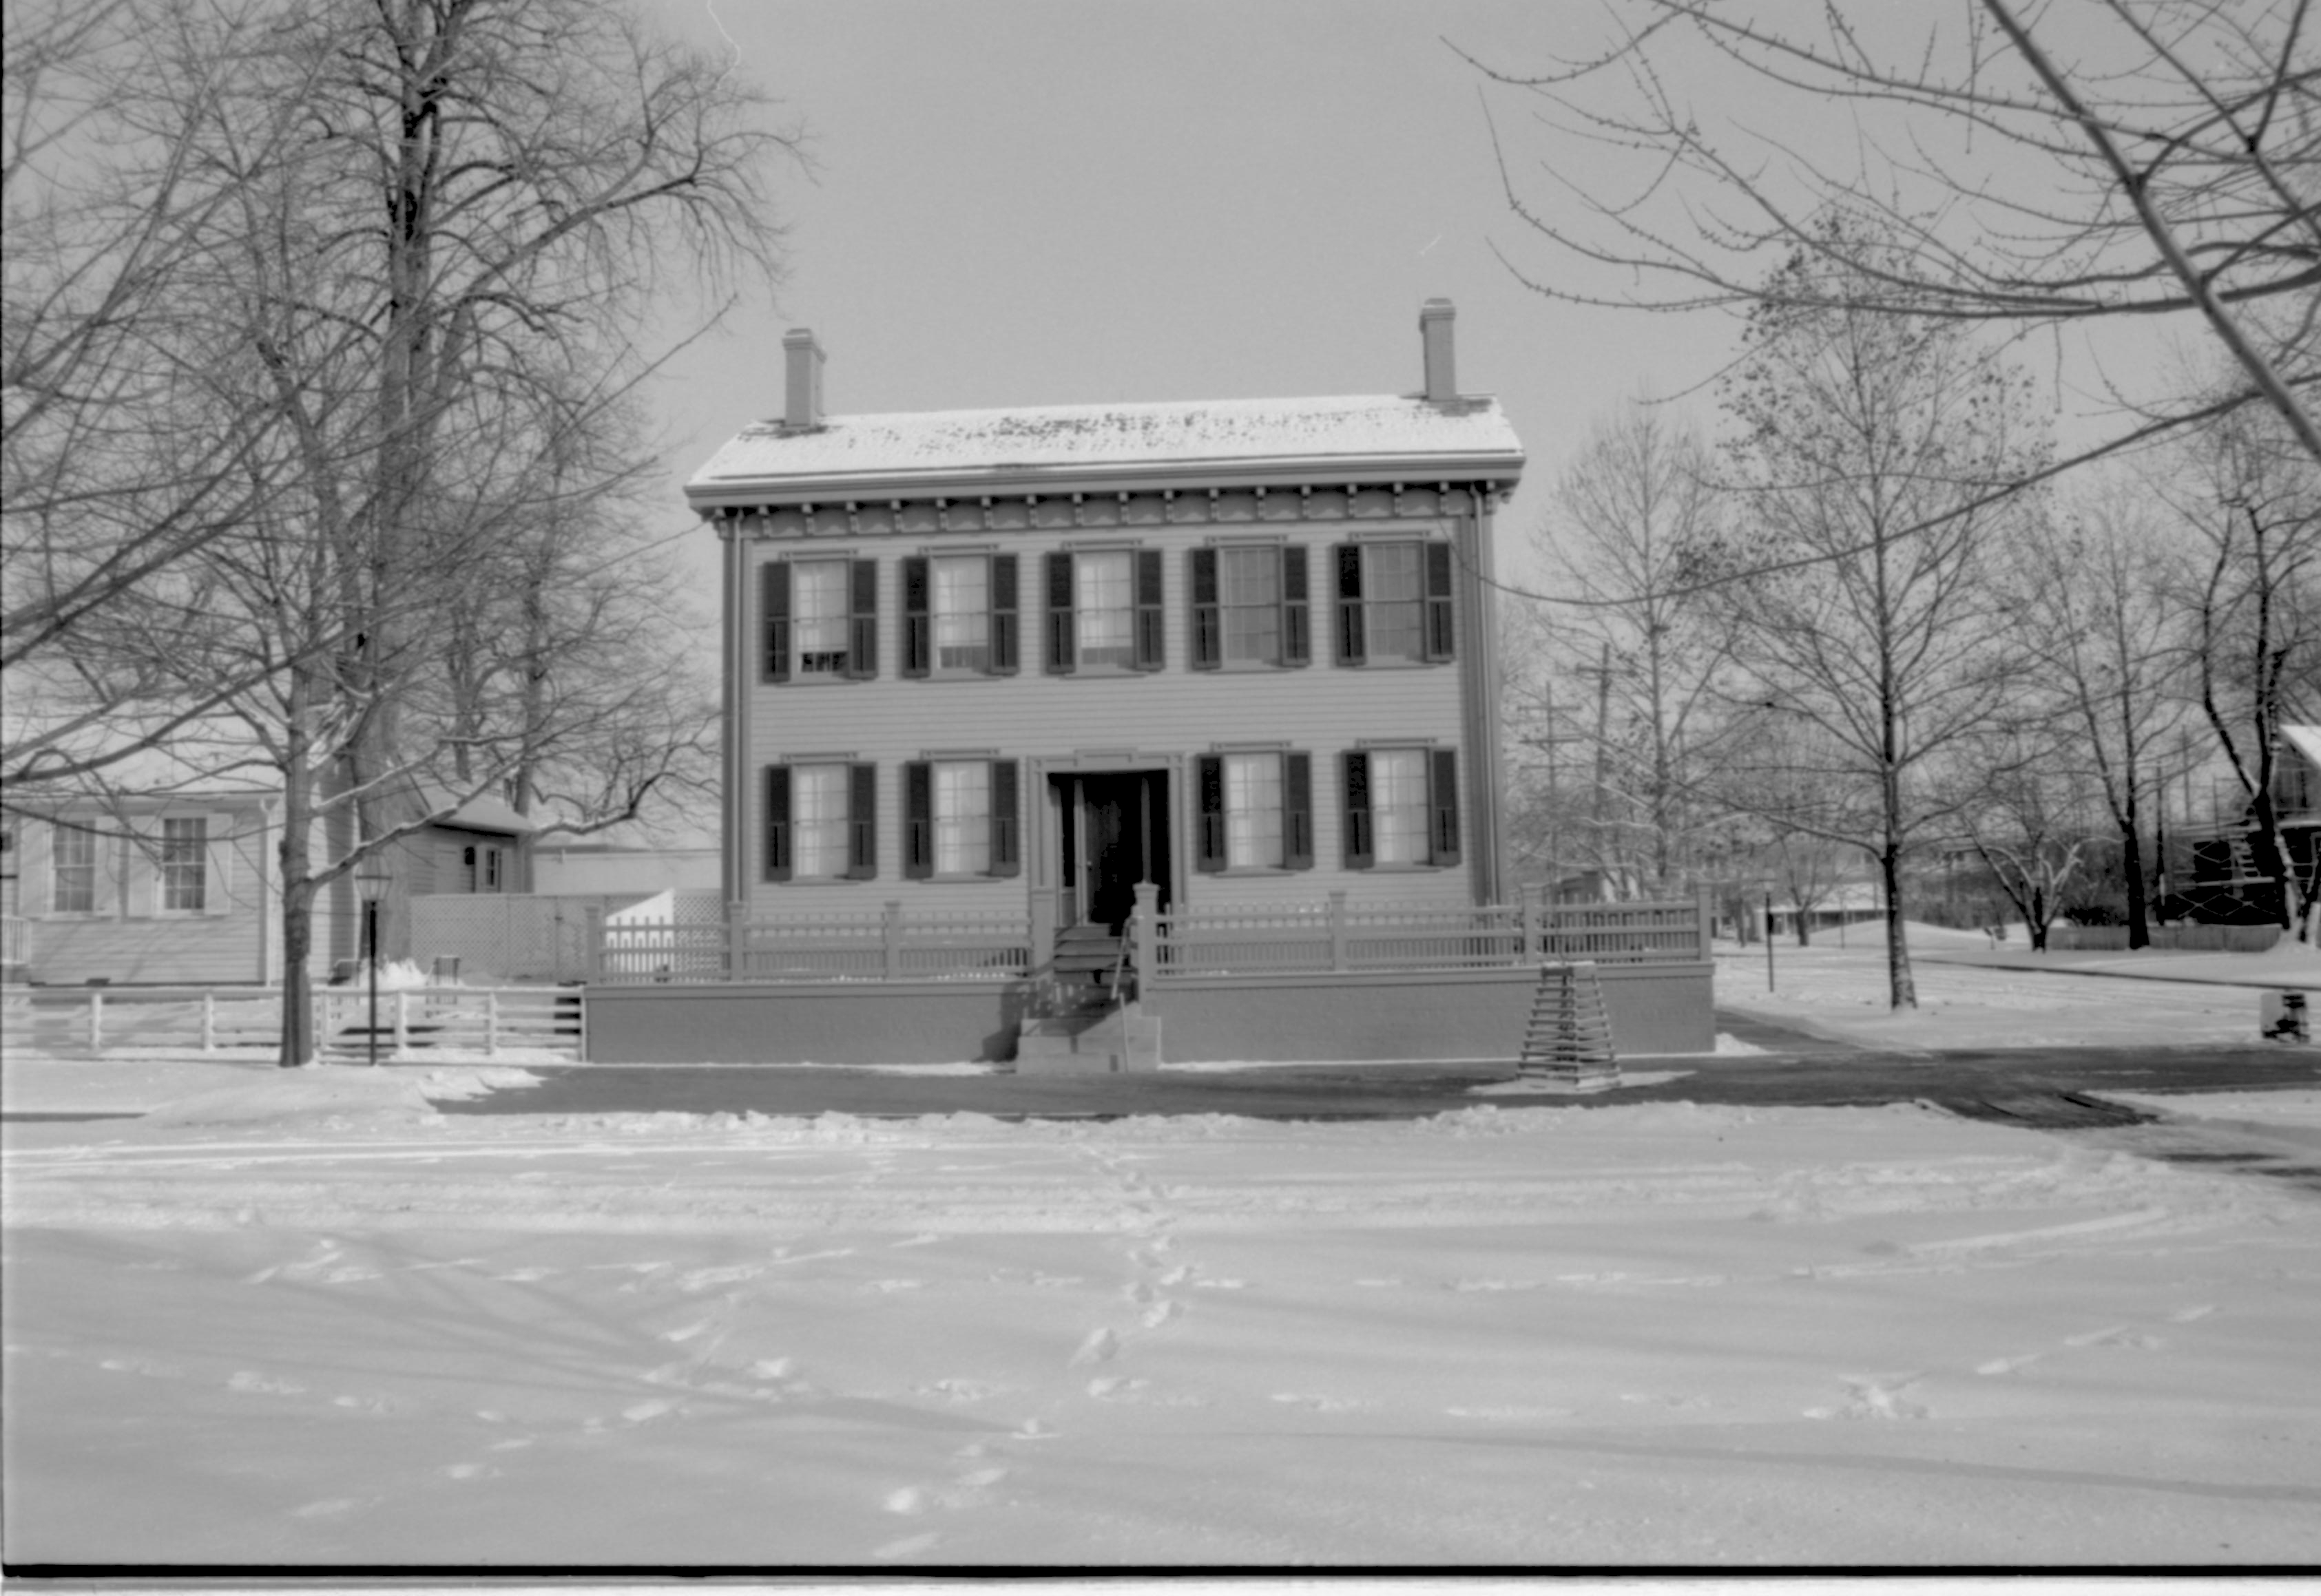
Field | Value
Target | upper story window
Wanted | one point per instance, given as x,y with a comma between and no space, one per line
959,615
1256,811
72,861
1105,609
820,823
1394,602
1249,606
185,857
820,620
1402,807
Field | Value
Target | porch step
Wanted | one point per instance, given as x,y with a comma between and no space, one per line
1106,1043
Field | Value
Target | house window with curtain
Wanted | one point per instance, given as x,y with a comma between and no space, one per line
1401,807
959,615
1103,608
818,615
819,620
1394,602
821,822
1256,811
960,818
72,859
185,859
1249,606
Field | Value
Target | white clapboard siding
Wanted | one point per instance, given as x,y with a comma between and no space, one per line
1171,715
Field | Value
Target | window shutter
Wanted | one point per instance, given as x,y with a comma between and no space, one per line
1007,857
1060,646
1151,617
1209,639
1351,648
1297,811
774,612
918,636
777,822
1438,601
1002,615
1358,811
918,819
862,822
1211,780
1442,801
217,865
1296,623
862,639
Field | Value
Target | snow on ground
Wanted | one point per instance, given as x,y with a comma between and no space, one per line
1842,992
348,1331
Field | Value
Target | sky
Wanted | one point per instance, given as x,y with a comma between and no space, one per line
1031,202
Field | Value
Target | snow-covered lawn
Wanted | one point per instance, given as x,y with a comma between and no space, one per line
1841,991
308,1319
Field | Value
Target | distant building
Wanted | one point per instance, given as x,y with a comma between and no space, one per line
2228,883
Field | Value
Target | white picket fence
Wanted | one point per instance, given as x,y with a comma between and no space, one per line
412,1022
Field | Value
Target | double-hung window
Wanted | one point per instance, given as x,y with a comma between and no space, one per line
1249,606
1256,811
1105,610
1394,602
185,864
959,615
1401,807
72,861
821,822
820,620
960,818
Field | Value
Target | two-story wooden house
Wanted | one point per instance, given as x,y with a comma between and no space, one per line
989,660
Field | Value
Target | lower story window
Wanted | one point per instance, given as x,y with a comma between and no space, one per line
818,818
1402,807
963,817
73,856
820,823
1256,811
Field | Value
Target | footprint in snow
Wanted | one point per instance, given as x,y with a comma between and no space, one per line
685,1332
2006,1365
1158,1314
1874,1396
1111,1387
773,1368
1098,1346
639,1412
363,1404
330,1506
908,1547
249,1380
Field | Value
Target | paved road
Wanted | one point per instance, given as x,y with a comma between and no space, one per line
2035,1087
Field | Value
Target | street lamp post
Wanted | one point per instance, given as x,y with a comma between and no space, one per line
372,886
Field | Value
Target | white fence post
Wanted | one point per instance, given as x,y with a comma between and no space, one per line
402,1020
1338,930
209,1021
491,1023
95,1019
890,929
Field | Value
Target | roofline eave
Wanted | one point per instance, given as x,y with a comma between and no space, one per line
1500,469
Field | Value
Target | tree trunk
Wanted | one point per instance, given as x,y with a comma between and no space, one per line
2139,910
1903,989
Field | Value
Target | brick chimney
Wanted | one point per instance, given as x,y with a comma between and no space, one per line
1435,318
802,404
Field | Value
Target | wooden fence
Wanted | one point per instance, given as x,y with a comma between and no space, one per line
2164,939
1337,934
488,1019
1324,934
888,946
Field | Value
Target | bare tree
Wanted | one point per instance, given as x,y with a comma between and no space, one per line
2254,589
1634,504
440,223
2026,815
1863,443
2107,631
2103,162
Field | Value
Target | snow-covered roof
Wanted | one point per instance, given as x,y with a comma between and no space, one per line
1369,435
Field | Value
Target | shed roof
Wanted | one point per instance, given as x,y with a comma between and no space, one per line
1071,445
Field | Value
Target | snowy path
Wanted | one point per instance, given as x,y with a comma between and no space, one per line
1662,1333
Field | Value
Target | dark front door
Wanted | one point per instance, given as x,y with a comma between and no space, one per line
1115,834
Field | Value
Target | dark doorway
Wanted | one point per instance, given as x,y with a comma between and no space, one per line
1114,833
